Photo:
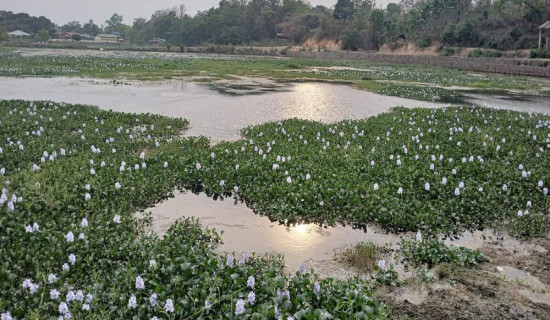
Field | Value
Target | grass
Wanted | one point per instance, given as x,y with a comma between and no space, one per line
363,256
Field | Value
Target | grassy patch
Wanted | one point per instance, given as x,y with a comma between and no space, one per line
363,256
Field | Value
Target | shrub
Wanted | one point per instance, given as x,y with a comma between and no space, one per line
433,252
446,52
539,54
350,39
424,42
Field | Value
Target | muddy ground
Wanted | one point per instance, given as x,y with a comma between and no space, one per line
514,284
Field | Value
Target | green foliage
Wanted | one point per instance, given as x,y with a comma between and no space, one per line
343,10
349,40
62,208
476,53
447,52
424,42
22,21
539,54
4,34
76,37
44,35
433,252
516,33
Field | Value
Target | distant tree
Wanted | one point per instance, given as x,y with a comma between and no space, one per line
376,22
349,40
73,26
24,22
343,10
91,28
43,35
114,23
76,37
4,33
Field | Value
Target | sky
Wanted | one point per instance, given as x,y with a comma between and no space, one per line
63,11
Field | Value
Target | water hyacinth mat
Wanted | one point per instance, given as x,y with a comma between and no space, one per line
73,176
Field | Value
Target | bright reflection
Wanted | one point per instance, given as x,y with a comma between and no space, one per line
245,231
301,228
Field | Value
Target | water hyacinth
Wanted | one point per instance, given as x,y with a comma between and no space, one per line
239,307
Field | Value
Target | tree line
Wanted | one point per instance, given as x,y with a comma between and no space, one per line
356,24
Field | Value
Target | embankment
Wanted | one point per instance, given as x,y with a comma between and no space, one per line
509,66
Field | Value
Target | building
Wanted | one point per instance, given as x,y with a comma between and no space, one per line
109,38
17,35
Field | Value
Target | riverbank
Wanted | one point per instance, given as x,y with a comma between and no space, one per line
408,81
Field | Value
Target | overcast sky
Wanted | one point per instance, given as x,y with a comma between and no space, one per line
63,11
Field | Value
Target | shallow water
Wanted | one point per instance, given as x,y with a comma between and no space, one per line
245,231
211,113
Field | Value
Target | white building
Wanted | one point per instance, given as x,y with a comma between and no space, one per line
110,38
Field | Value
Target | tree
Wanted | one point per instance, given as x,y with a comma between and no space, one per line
4,34
91,28
44,35
72,26
349,40
76,37
343,10
114,23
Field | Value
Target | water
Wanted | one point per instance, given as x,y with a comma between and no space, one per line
245,231
219,116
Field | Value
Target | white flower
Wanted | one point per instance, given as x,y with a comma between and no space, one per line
444,180
427,186
541,184
117,185
84,223
166,164
222,183
85,307
239,307
92,171
382,264
52,278
6,316
251,297
87,196
63,308
504,187
65,267
461,185
169,306
54,294
400,190
418,236
142,155
376,186
116,219
308,176
529,203
288,179
236,188
72,259
140,284
520,213
132,302
250,282
198,165
153,299
152,263
212,155
69,236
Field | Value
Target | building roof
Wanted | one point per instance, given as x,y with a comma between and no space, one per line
545,25
104,35
19,33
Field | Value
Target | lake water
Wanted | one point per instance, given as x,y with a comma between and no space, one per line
211,113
